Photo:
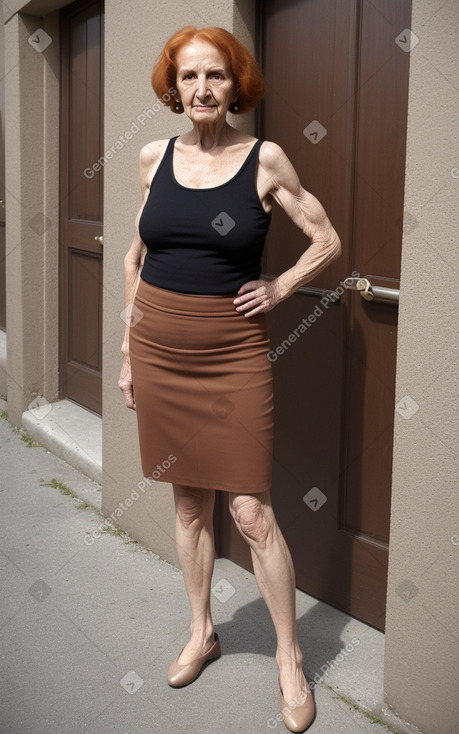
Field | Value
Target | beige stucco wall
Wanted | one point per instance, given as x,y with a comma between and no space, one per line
32,208
422,650
31,7
140,30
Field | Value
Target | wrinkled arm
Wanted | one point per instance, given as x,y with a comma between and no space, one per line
283,185
133,263
133,260
307,213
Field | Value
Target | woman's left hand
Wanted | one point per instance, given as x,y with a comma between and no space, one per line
257,296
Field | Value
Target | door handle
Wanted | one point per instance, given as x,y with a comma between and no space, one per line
332,296
99,238
373,292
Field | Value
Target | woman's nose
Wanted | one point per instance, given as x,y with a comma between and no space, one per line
203,87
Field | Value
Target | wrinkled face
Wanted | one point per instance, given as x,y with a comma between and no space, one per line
204,82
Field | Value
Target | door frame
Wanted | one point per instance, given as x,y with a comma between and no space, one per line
93,229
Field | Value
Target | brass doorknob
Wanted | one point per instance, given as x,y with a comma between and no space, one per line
99,238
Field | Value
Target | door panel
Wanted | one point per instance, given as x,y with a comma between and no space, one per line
334,69
378,202
81,203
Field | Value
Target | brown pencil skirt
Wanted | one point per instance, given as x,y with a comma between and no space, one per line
203,391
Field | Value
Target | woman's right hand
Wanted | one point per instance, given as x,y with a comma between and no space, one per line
125,383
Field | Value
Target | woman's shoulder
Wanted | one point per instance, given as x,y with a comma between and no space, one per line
277,167
150,152
271,155
150,157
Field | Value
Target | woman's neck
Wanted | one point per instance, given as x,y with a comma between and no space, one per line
207,137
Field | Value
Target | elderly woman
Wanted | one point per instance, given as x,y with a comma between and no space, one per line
197,341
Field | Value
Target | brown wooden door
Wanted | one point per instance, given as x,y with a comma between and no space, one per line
337,103
81,189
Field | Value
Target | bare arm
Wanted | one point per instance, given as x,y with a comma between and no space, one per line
283,185
133,263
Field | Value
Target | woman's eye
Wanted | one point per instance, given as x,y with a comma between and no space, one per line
214,75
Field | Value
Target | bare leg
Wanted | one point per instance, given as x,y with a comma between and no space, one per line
196,551
272,563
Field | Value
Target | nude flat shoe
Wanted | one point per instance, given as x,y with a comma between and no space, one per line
181,675
301,712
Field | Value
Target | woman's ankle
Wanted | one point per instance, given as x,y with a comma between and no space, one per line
202,632
291,658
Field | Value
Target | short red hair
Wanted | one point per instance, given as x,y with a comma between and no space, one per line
246,73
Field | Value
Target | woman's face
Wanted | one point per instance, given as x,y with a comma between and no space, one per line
204,82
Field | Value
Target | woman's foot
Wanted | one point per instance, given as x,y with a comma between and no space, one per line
297,704
195,648
291,677
182,673
298,713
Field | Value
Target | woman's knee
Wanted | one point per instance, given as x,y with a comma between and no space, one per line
193,506
253,517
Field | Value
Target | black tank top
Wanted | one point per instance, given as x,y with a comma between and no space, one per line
203,241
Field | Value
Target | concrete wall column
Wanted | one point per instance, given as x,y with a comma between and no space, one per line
32,174
422,650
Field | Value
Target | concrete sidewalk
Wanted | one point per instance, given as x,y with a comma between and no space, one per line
88,631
